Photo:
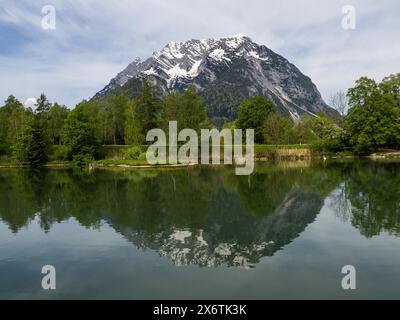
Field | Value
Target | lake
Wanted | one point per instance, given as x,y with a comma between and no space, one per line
202,232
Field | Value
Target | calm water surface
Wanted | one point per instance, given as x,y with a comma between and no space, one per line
284,232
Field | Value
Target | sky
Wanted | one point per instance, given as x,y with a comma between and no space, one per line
93,40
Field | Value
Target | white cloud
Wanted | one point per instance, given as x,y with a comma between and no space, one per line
94,40
30,103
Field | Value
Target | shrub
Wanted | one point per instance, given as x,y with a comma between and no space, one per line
142,157
82,158
3,149
59,153
132,153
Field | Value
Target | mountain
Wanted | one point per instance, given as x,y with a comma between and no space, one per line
225,71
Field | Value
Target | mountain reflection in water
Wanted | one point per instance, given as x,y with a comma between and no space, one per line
206,216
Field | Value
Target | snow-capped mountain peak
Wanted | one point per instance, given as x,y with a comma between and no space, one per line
234,67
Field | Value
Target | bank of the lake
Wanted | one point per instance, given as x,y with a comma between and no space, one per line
115,156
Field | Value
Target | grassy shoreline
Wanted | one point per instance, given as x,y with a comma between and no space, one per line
115,157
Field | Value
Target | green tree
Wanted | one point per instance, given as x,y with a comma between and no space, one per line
359,95
187,109
79,137
391,85
373,122
46,123
31,145
95,111
173,110
55,124
147,109
194,114
116,111
252,114
133,133
277,129
12,119
42,105
328,134
302,130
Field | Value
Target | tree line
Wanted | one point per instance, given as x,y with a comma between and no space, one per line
54,132
369,120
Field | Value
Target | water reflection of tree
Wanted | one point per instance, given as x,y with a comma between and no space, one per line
374,193
341,203
369,197
17,201
229,220
367,194
150,200
267,188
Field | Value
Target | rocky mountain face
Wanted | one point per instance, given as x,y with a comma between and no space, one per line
225,71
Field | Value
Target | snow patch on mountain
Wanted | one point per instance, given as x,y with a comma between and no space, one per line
180,235
218,55
235,41
194,71
150,72
254,54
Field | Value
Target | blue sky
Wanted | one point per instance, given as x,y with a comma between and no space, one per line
94,40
